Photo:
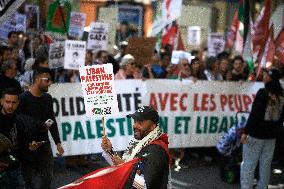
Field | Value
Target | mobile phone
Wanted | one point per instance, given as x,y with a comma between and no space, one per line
49,122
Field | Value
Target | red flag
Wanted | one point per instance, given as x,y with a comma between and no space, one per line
113,177
231,35
261,27
279,46
266,54
171,36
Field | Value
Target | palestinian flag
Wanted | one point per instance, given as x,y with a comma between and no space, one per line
231,34
114,177
171,36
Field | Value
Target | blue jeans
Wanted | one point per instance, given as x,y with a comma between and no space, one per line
254,151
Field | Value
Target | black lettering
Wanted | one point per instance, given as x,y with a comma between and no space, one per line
127,100
64,113
80,106
119,102
71,104
137,100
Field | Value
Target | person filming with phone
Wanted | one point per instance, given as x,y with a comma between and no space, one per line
37,103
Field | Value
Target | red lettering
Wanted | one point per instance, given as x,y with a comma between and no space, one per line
82,78
247,102
231,102
195,106
238,102
181,102
223,101
163,101
153,101
204,104
173,101
212,102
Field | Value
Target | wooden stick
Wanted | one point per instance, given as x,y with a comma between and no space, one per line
103,125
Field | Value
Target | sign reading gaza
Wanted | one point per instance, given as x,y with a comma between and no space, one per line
193,114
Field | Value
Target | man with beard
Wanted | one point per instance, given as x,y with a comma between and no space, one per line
37,103
151,145
10,173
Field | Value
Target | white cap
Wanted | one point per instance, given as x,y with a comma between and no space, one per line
125,60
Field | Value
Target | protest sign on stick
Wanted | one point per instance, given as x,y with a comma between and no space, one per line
98,36
75,52
216,44
77,24
141,48
56,55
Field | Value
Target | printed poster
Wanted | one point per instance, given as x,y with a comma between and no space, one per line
56,55
98,90
216,44
77,24
194,35
75,52
17,22
98,36
32,15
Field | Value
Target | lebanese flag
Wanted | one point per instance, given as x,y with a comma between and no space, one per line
171,36
231,35
114,177
266,54
279,46
261,27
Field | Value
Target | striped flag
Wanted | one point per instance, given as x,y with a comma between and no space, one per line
171,36
231,34
239,43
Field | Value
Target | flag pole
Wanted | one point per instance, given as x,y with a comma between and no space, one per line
103,125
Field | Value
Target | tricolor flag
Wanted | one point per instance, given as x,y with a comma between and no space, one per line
261,27
266,52
279,46
114,177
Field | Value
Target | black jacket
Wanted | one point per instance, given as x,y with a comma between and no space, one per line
155,166
256,125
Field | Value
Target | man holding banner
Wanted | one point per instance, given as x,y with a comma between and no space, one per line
150,144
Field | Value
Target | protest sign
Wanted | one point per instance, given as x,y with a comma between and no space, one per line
32,14
216,44
98,89
192,115
142,49
77,24
58,19
17,22
178,55
56,55
75,52
194,35
98,36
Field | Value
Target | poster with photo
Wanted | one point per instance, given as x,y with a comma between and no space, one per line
216,44
77,24
75,52
56,55
17,22
32,15
194,35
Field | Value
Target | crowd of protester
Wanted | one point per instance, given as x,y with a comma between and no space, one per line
22,56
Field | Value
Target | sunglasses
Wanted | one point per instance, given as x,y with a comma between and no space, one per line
46,79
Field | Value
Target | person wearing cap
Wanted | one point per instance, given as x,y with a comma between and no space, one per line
261,130
150,144
127,68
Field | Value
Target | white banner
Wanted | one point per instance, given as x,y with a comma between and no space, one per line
56,55
75,52
98,36
216,44
179,55
98,89
77,24
193,114
194,35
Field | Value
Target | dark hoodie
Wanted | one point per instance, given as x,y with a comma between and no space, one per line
267,115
